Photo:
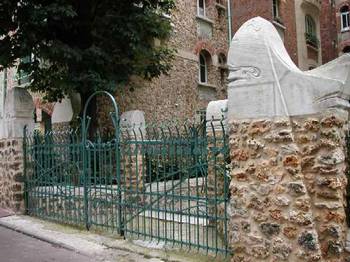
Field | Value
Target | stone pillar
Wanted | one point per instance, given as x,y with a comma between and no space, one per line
19,110
287,148
217,137
62,115
132,125
216,127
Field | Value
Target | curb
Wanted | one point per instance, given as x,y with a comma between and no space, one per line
41,238
136,248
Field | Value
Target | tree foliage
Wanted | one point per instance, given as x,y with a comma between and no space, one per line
84,45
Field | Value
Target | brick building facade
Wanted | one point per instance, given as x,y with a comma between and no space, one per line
342,8
329,37
281,15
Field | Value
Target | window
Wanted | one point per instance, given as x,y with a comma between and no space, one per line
276,8
201,7
310,25
203,68
310,31
345,18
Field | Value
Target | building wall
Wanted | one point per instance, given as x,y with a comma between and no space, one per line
179,95
343,36
308,56
328,31
243,10
291,25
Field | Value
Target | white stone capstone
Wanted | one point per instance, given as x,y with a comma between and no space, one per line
134,122
19,112
216,115
264,81
62,112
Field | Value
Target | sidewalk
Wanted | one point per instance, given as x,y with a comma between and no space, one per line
99,247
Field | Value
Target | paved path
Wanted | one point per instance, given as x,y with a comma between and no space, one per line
16,247
68,244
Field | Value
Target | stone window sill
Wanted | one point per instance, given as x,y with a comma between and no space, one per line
204,19
345,30
224,67
220,6
312,47
278,24
206,85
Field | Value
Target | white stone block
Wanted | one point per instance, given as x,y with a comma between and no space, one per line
134,122
19,112
264,81
216,115
62,112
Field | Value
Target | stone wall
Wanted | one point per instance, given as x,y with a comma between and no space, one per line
11,171
287,188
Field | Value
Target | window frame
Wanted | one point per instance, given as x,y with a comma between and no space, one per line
310,24
204,67
345,14
201,11
276,9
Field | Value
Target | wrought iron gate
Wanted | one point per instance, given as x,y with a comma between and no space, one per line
165,183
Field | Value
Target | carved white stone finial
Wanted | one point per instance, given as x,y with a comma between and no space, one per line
264,81
19,108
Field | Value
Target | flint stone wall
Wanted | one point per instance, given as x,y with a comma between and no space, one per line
288,188
11,174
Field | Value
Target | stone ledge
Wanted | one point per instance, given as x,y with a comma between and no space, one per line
206,85
220,6
205,19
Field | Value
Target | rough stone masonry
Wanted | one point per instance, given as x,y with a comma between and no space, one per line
287,188
18,114
287,149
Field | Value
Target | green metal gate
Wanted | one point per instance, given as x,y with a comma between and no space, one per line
165,183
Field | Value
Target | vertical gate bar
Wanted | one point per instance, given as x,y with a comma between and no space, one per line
143,157
93,189
195,140
137,206
117,148
150,159
179,147
84,156
165,157
26,206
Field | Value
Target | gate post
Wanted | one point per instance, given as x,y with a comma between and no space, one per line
287,149
133,125
17,114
